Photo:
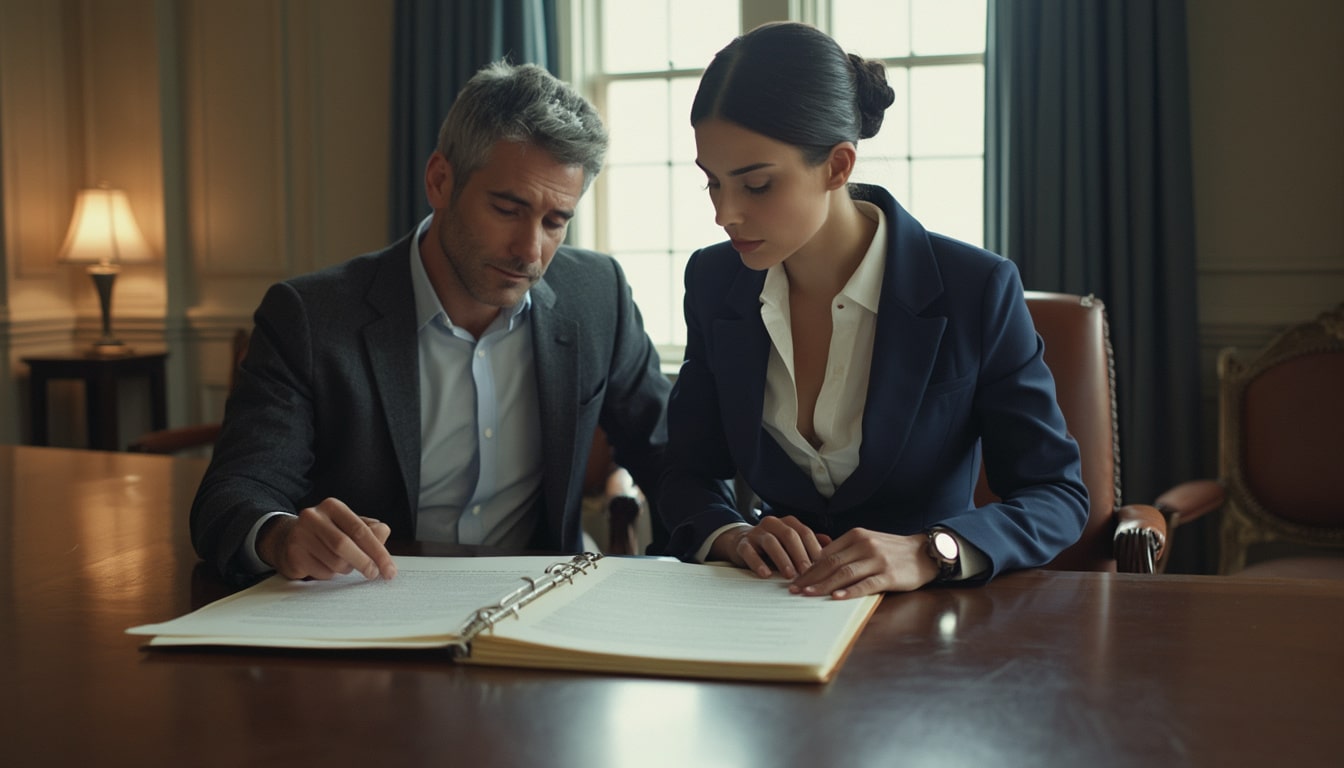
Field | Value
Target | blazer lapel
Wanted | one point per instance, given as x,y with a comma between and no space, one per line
904,350
390,343
556,351
741,353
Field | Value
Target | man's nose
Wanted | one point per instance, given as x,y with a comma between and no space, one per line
527,243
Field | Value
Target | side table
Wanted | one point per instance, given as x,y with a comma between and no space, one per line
101,376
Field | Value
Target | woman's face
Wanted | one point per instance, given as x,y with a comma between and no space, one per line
768,200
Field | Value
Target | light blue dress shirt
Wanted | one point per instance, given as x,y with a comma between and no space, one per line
480,423
480,427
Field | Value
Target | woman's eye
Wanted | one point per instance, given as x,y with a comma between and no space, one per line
756,190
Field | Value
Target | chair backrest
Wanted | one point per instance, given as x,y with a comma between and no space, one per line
196,436
1078,353
1281,440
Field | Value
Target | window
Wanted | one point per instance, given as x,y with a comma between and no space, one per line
640,63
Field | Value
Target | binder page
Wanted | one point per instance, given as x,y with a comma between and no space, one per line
672,610
431,597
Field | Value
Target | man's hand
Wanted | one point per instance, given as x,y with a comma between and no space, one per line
789,544
326,540
863,562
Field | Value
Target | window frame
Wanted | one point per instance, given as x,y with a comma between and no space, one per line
580,35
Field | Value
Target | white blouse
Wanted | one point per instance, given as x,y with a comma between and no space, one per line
838,416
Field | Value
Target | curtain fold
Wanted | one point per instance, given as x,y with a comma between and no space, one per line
1088,189
437,47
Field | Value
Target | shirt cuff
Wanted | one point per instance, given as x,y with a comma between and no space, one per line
703,551
248,560
971,561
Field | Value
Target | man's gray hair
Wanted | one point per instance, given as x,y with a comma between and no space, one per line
526,104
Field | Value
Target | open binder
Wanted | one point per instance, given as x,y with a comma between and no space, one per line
588,613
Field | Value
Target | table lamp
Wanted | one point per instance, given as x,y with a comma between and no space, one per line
104,235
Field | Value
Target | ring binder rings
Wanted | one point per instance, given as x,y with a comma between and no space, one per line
510,604
588,613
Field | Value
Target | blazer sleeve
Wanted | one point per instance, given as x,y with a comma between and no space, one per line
634,410
1030,460
262,458
696,499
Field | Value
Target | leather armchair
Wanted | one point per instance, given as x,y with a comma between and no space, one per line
1131,538
614,490
196,436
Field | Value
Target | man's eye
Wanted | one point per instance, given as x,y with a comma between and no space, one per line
505,211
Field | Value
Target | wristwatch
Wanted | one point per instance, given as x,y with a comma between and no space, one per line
945,551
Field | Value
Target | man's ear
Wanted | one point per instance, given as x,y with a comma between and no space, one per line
438,181
840,164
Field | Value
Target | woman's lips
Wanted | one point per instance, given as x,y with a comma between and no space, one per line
746,246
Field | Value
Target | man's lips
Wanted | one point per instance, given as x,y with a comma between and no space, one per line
510,273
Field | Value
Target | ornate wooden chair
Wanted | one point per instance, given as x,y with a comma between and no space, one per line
1281,449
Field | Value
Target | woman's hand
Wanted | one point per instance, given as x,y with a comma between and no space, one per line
863,562
785,541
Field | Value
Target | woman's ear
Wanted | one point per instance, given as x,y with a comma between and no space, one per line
840,164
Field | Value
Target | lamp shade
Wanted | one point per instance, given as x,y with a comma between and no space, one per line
103,230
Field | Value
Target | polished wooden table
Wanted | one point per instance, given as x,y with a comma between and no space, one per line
1036,669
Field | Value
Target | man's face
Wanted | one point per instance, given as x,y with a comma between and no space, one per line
499,235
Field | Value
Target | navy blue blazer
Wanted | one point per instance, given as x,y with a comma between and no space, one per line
327,402
957,368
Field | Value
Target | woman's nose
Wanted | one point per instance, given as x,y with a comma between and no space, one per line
726,211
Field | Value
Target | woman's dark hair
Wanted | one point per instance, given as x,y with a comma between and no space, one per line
793,83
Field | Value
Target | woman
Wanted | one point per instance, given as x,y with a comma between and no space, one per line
850,365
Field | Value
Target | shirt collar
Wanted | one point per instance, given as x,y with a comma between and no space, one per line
427,304
864,286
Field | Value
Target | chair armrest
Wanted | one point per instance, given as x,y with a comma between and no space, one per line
1140,536
622,505
1190,500
176,439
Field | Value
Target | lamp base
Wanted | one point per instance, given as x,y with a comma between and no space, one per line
110,348
106,346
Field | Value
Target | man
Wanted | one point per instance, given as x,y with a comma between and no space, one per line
442,389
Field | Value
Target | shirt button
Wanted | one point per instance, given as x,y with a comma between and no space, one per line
480,353
489,433
476,510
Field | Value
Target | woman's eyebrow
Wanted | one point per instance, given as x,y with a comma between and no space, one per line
742,170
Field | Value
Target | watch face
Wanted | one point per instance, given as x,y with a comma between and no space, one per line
946,545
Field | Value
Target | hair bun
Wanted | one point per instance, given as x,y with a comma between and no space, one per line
873,93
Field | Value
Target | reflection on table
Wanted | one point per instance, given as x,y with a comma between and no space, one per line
1038,668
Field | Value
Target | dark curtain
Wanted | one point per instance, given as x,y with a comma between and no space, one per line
1088,190
438,46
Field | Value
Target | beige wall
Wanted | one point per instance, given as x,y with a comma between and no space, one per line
1267,103
1267,113
252,134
